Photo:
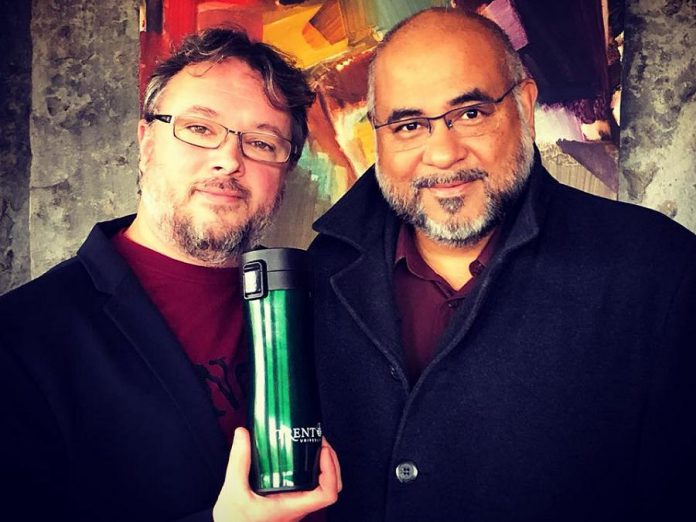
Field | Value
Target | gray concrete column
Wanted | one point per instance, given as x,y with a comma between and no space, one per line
15,154
83,122
658,108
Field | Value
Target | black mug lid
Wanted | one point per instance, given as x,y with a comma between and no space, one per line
269,269
280,259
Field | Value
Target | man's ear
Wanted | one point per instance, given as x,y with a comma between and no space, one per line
529,93
142,127
144,143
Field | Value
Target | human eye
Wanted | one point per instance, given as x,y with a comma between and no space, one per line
198,129
408,128
261,144
472,114
202,129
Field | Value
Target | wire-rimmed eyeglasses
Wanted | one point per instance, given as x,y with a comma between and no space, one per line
201,132
474,119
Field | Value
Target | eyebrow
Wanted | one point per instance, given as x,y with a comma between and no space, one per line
200,109
273,129
474,95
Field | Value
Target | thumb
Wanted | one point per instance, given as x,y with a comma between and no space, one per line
240,459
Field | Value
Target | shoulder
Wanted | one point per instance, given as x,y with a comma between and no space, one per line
55,290
605,224
46,303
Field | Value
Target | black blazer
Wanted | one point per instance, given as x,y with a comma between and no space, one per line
103,417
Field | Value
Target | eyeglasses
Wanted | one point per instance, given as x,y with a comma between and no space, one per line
200,132
467,121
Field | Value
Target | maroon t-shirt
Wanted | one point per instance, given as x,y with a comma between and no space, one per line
425,300
203,307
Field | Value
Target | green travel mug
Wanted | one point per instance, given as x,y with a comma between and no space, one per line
284,415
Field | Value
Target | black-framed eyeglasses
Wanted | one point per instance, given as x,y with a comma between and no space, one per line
201,132
474,119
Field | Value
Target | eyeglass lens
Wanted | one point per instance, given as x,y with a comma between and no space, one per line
210,135
466,122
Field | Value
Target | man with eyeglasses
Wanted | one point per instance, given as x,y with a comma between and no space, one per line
124,369
493,345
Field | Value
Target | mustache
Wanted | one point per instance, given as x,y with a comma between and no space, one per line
226,184
460,176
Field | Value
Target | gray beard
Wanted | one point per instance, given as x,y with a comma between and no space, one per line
215,250
200,243
459,233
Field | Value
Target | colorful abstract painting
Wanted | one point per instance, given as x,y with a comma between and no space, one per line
572,49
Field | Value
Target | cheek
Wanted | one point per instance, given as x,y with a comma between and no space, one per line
146,151
167,178
398,168
264,186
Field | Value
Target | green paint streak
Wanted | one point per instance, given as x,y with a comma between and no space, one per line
320,171
388,14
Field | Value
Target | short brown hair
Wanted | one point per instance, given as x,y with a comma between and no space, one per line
284,84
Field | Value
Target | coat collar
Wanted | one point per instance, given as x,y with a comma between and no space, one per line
136,316
359,217
364,220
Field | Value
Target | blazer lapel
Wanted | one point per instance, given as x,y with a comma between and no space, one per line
370,301
140,321
144,326
521,228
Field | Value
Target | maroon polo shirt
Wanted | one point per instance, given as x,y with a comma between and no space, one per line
203,307
425,300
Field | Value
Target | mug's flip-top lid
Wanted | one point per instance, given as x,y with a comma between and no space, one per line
269,269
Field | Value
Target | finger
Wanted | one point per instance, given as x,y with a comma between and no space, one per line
323,495
328,480
337,465
240,459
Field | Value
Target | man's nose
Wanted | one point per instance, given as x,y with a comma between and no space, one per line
228,157
443,148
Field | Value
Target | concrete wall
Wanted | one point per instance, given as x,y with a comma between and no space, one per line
15,154
83,121
658,108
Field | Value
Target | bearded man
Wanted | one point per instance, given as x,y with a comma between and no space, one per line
124,368
493,345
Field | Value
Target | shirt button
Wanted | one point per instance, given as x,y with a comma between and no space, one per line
394,373
406,472
453,304
476,268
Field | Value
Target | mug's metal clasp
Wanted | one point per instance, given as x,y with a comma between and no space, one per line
254,280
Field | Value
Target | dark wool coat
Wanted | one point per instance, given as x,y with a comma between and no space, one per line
103,417
564,389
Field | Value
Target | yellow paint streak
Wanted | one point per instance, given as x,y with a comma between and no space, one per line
295,36
355,136
365,136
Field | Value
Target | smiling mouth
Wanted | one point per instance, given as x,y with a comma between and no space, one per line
450,189
222,195
449,184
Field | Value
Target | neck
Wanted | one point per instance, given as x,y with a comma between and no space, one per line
449,262
142,233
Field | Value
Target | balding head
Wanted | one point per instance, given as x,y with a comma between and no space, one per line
427,28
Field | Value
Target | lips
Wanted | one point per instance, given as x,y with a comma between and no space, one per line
450,180
450,190
221,196
227,190
449,185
